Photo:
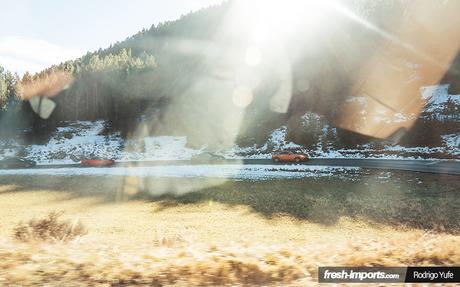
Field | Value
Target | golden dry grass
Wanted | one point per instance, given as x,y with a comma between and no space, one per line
186,264
146,222
204,238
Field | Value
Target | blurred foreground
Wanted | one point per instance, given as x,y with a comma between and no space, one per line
190,264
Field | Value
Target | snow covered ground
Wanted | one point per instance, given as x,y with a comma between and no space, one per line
74,141
84,140
247,172
438,98
452,141
276,141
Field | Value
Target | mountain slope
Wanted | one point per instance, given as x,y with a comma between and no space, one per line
206,77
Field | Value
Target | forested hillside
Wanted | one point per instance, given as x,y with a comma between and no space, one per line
206,76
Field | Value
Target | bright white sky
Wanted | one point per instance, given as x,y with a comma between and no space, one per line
35,34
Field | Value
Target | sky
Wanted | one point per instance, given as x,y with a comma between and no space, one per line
35,34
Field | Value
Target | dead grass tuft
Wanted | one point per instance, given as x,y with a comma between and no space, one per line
49,228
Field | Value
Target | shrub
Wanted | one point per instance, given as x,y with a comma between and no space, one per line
49,228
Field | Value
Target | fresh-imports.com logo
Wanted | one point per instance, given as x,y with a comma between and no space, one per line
358,275
361,274
410,274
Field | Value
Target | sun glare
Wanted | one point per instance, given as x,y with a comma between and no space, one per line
273,19
253,56
265,29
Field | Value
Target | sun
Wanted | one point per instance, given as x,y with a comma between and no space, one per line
275,19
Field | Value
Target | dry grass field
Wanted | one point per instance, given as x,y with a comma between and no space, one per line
203,232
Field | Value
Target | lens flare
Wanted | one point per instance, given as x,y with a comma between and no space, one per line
48,86
242,97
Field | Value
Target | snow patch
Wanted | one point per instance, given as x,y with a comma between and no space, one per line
248,172
79,139
452,141
8,148
276,141
437,98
